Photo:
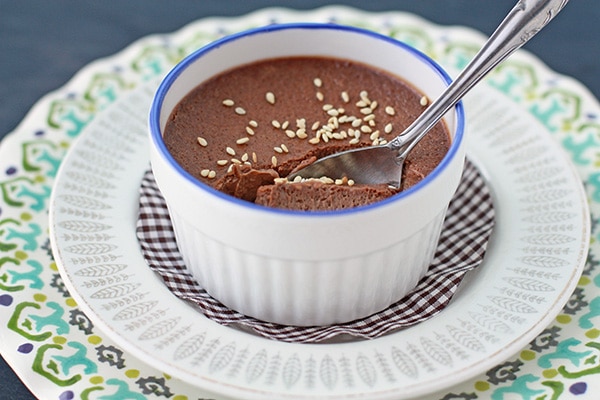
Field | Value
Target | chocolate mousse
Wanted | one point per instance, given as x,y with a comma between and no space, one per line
244,131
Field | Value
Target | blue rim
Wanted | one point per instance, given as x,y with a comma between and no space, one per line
165,85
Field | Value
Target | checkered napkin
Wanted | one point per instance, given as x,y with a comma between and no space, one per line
463,241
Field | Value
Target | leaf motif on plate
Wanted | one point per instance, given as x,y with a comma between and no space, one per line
512,305
97,271
529,284
491,323
544,261
465,338
538,174
546,196
159,329
88,249
436,352
83,226
366,370
523,152
292,369
189,347
222,358
549,217
89,180
256,366
97,160
115,291
548,239
135,310
83,202
329,372
405,363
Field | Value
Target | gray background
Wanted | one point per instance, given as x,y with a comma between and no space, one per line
44,43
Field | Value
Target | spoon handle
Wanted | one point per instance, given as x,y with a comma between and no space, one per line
526,19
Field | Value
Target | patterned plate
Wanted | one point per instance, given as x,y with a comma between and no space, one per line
532,267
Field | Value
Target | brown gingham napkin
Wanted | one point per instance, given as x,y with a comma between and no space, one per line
463,241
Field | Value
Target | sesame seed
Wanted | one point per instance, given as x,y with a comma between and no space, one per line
318,82
361,103
345,97
374,104
350,182
337,136
228,102
301,123
369,117
389,110
249,131
281,180
298,179
326,180
235,161
366,110
366,129
253,123
301,134
240,111
212,174
276,124
274,161
202,141
327,107
230,151
364,96
354,141
254,157
222,162
204,172
285,124
388,128
290,133
371,122
424,101
315,126
320,96
284,148
374,135
270,97
278,149
333,112
230,168
339,182
245,157
243,140
314,140
356,123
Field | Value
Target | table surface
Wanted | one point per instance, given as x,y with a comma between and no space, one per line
43,44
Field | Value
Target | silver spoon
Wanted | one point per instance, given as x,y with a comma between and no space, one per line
383,164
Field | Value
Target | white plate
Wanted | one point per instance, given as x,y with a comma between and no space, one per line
533,263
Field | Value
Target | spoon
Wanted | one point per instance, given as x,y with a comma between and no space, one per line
383,164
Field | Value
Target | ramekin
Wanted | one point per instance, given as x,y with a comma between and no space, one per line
305,268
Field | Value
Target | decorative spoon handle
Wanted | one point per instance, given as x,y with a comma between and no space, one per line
526,19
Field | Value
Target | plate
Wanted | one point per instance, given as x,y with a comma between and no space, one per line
536,257
133,335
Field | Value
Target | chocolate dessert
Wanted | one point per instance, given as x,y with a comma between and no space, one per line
244,131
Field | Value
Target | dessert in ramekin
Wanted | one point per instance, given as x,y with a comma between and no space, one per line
304,267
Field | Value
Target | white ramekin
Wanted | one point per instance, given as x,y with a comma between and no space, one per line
305,268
